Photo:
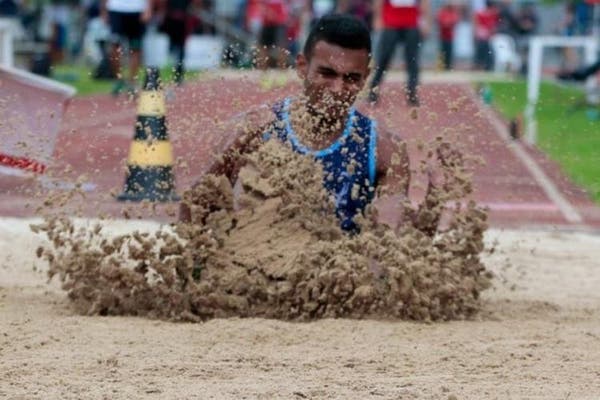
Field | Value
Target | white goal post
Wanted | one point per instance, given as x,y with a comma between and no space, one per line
534,74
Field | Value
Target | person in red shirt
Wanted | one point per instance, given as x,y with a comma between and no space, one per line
486,23
406,21
273,40
447,18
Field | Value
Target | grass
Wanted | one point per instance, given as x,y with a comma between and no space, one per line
81,78
568,130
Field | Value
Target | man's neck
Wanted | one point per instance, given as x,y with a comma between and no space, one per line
314,129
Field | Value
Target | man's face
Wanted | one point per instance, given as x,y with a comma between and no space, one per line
333,77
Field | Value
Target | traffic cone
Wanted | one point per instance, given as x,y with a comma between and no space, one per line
150,162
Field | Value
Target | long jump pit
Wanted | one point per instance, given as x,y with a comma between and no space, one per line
285,307
267,299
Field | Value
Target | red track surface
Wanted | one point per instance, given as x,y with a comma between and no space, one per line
97,132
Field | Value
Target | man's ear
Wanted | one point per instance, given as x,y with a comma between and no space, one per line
301,66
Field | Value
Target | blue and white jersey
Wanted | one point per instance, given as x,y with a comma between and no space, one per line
349,163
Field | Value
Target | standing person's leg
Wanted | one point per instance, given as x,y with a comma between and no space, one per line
447,54
489,56
479,58
267,43
136,30
179,50
176,29
385,53
411,55
281,47
116,37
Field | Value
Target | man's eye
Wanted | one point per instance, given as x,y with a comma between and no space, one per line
328,73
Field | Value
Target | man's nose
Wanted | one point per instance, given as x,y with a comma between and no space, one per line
337,85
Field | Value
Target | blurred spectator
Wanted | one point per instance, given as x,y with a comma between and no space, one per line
447,18
527,23
254,18
568,23
9,8
400,21
319,8
584,16
507,22
232,13
580,74
10,13
127,20
568,27
527,19
294,28
361,9
95,41
60,14
578,21
178,22
272,41
485,24
31,15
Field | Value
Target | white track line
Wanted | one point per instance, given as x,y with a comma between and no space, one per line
567,210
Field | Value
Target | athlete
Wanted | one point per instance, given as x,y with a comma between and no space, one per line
357,157
127,20
400,21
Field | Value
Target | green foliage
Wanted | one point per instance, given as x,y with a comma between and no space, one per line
568,128
81,78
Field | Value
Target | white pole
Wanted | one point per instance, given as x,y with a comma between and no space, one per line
6,44
534,74
591,55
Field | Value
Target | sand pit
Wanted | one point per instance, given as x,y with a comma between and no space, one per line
533,334
276,250
538,336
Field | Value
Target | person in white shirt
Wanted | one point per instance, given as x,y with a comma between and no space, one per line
127,20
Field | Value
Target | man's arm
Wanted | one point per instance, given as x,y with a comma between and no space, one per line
393,169
247,130
393,183
392,179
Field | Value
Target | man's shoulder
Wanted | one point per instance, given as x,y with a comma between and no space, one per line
364,119
257,119
381,128
371,122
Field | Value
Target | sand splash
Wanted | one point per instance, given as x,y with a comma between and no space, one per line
273,250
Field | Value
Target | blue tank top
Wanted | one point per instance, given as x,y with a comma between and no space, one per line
349,163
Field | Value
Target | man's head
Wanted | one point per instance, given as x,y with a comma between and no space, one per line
335,63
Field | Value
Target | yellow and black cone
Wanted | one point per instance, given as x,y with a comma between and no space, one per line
150,163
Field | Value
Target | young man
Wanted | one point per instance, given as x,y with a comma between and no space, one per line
176,22
400,21
486,23
322,122
273,40
127,20
447,18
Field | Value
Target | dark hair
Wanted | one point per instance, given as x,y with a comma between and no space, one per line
343,30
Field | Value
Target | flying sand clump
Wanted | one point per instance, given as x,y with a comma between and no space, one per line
271,247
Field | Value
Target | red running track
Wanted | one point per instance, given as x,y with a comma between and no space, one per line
519,184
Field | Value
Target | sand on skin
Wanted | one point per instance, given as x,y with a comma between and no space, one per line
538,336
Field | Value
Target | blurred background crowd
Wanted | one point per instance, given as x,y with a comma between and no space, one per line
455,34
